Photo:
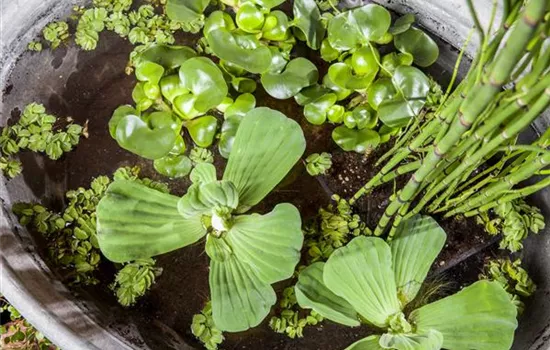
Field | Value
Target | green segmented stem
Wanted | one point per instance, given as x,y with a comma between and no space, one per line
524,192
473,105
469,162
498,188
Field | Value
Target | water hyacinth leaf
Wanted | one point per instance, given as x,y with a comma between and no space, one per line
173,166
203,130
307,19
415,246
217,20
276,26
242,105
168,56
205,81
328,53
278,60
419,44
227,135
149,72
354,28
312,293
298,74
250,18
268,4
382,89
118,114
170,87
133,134
310,94
254,57
270,141
201,199
360,118
480,316
316,111
402,24
340,92
240,299
137,222
203,173
280,230
163,119
185,10
413,87
243,85
365,61
369,343
342,75
355,140
432,340
361,273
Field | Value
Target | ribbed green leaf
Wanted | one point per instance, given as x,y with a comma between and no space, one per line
267,146
432,340
240,299
203,173
136,222
312,293
414,248
368,343
361,273
202,199
268,243
480,317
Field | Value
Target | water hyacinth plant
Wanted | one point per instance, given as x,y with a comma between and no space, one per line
248,252
370,281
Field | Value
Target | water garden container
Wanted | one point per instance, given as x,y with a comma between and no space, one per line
85,322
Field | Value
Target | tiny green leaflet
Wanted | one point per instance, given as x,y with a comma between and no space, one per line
377,280
135,223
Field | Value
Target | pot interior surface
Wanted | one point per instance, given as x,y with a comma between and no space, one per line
88,86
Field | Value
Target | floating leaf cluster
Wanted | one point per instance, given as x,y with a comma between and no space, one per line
512,277
293,319
55,33
18,333
318,164
35,46
134,279
36,131
204,329
514,221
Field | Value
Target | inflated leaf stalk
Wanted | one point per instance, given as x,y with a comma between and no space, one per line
372,280
248,252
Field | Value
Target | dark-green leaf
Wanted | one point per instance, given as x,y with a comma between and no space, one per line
307,18
298,74
419,44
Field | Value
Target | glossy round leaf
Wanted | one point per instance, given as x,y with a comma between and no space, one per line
217,20
250,18
307,18
203,130
355,140
173,166
118,114
168,56
185,10
310,94
242,105
381,90
149,72
340,92
268,4
316,111
254,57
419,44
276,27
298,74
328,53
342,75
205,81
360,118
412,82
170,87
402,24
134,135
365,61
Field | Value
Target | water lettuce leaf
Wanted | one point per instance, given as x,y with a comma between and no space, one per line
201,199
137,222
361,273
312,293
432,340
266,147
268,243
203,173
369,343
414,248
480,316
240,299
